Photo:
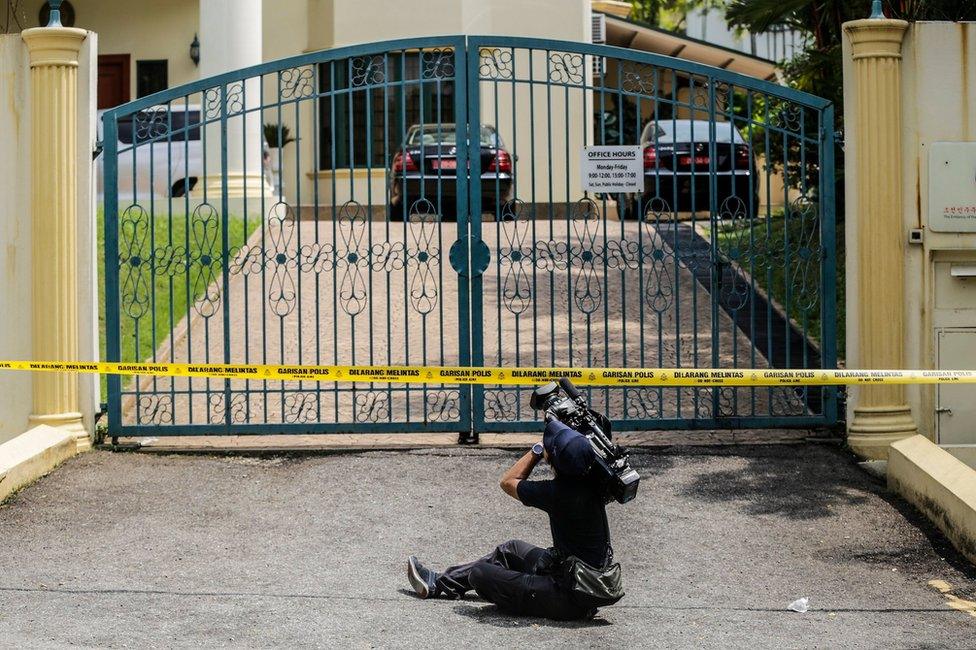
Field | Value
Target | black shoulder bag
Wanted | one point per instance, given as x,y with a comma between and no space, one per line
594,587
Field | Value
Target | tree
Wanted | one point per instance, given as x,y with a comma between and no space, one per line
669,14
818,68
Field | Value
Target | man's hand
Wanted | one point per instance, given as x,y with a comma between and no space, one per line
519,472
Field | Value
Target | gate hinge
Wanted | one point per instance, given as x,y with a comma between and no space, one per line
99,147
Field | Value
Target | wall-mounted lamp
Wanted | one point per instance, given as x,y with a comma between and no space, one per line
195,50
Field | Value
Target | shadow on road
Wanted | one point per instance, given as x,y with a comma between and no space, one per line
820,483
491,615
482,611
801,487
906,555
470,597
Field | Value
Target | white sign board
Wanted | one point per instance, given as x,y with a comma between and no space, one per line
613,169
952,187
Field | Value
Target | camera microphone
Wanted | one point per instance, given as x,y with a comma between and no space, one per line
571,390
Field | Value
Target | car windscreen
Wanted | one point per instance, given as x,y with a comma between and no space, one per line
157,124
692,131
446,134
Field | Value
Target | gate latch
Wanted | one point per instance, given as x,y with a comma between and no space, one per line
469,256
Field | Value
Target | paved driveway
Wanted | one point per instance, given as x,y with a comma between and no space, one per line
135,550
573,294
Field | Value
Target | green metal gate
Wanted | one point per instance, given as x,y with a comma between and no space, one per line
431,211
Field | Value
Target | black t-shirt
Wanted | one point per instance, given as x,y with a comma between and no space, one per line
577,516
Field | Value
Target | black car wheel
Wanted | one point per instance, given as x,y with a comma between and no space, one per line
628,209
179,188
394,212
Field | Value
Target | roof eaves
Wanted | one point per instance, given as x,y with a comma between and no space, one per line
672,33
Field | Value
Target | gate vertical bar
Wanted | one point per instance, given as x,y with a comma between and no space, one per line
225,241
828,262
473,189
467,325
110,220
715,286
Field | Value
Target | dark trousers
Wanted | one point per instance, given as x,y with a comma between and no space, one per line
516,576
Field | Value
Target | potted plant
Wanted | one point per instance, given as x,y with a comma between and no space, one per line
277,136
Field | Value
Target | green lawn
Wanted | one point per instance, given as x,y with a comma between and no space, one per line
775,276
166,296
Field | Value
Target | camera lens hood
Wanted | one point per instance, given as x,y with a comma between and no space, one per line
542,394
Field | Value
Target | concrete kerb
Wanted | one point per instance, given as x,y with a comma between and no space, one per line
31,455
942,487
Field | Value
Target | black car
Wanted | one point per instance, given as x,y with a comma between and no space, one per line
423,176
678,168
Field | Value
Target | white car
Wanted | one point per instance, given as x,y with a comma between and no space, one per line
168,166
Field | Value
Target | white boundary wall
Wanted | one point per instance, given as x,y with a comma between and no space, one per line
15,233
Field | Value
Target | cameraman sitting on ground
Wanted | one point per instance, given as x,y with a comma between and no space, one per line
524,579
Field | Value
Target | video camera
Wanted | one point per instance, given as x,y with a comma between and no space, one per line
612,466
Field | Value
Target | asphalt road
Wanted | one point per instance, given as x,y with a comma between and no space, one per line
140,550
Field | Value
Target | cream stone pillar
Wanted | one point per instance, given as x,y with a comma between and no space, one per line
54,97
231,38
881,414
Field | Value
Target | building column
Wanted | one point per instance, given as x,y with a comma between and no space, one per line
54,189
881,413
230,39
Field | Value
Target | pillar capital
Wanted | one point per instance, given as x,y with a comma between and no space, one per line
875,38
50,46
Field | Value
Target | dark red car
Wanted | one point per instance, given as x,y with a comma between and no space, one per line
423,176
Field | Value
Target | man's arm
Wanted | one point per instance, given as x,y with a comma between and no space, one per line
518,472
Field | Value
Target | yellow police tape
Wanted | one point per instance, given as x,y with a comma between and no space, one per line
491,375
